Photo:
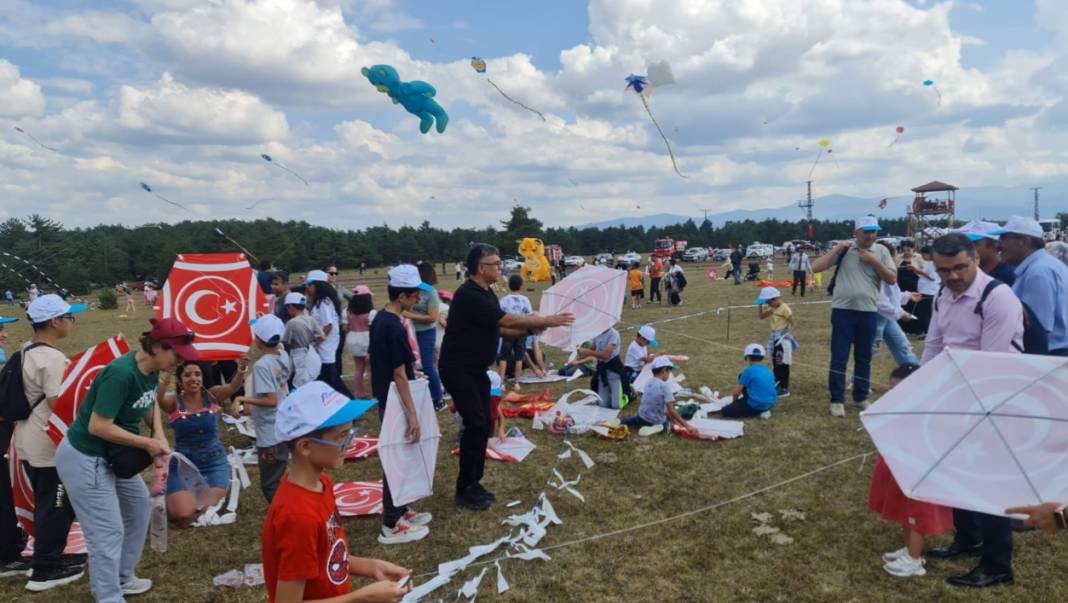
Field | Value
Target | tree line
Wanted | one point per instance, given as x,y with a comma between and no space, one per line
80,259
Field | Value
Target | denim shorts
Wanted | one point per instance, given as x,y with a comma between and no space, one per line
216,472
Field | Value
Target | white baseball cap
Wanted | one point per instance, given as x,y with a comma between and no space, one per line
1021,226
649,333
51,306
315,405
977,230
767,294
267,327
316,276
495,383
755,349
406,276
661,361
295,299
868,223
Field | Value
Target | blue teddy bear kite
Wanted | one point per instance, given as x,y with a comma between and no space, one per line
416,97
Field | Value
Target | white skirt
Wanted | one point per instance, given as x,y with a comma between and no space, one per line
358,343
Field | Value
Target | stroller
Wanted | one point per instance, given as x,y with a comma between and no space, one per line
754,272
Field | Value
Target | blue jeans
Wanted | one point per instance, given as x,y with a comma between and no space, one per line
428,341
856,329
889,331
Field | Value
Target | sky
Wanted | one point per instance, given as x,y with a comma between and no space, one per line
185,95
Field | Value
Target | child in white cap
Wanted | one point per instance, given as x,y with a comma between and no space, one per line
657,408
270,385
755,395
638,351
305,554
781,344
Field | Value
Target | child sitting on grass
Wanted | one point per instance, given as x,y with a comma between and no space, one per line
918,519
657,407
781,344
305,555
755,395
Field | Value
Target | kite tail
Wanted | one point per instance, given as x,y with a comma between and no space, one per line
814,163
514,100
894,141
162,198
671,154
247,252
292,172
39,143
939,93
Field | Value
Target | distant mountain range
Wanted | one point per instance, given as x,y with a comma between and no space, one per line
992,203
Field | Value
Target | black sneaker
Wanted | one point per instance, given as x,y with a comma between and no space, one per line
15,568
471,500
45,579
439,406
484,493
783,393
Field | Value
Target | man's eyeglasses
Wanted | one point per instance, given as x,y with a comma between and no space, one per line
959,268
498,263
69,317
332,273
342,444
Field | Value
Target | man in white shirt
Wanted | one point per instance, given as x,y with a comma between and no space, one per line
927,286
800,267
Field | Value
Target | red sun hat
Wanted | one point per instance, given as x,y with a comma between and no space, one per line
175,334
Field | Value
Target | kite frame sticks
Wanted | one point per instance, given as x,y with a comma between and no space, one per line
674,164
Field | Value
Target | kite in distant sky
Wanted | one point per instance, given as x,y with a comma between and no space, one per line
882,204
900,130
824,144
253,206
931,84
34,138
415,96
659,75
479,65
148,189
271,161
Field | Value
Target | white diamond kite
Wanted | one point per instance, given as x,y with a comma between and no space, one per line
594,295
409,466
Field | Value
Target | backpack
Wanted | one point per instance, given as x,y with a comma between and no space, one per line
14,406
1035,340
834,277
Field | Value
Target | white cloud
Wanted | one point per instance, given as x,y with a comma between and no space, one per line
392,22
21,97
66,84
100,27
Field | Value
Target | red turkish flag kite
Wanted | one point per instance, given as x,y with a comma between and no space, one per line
23,498
81,371
215,295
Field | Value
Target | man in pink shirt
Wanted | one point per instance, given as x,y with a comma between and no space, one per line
974,312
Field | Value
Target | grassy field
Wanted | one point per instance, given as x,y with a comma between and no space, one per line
711,555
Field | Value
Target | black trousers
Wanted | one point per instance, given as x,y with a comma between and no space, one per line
995,533
799,279
11,539
52,516
470,393
739,409
330,375
780,370
654,290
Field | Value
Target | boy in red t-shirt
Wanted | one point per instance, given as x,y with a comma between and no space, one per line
305,556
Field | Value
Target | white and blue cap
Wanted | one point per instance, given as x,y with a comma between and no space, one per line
268,329
7,321
868,223
406,276
316,276
649,333
495,383
977,230
1021,225
295,299
662,361
315,405
755,349
767,294
51,306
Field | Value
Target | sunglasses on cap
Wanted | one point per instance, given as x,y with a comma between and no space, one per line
341,444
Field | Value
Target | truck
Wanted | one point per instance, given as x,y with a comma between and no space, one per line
664,248
554,253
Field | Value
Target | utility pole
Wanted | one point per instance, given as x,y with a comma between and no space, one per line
807,204
706,213
1036,189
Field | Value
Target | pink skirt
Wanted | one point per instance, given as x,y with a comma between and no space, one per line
887,499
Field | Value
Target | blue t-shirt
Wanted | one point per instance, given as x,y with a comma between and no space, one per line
1004,273
759,386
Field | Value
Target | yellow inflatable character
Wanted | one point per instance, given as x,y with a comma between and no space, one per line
536,266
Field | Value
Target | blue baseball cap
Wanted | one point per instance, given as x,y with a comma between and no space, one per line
7,321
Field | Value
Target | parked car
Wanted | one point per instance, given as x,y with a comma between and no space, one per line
604,259
631,257
760,250
574,261
695,254
511,265
721,255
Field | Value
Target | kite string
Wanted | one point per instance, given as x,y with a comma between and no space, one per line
819,154
645,103
515,101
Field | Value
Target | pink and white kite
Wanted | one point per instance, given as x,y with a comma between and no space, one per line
594,294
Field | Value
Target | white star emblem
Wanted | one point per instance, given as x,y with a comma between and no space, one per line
229,307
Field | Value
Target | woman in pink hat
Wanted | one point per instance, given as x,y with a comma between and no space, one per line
360,314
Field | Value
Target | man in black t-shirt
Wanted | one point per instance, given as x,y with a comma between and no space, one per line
476,323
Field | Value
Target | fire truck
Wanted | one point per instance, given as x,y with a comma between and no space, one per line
668,248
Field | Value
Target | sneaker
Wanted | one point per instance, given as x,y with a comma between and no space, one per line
783,393
439,405
611,422
837,410
895,555
484,493
863,405
15,568
43,580
417,519
136,586
765,415
650,430
402,532
905,567
472,501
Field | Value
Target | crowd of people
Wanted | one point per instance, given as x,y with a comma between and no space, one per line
984,287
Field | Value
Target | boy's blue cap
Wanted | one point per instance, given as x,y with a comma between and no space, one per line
5,321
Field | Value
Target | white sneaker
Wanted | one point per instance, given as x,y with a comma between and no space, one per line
905,567
650,430
895,555
402,532
611,422
136,586
766,414
863,405
417,519
837,410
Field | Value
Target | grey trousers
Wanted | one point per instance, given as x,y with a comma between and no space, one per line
114,515
612,395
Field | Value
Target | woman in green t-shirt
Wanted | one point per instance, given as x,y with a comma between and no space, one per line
104,440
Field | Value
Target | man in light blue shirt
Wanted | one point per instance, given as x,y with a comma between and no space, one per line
1041,283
